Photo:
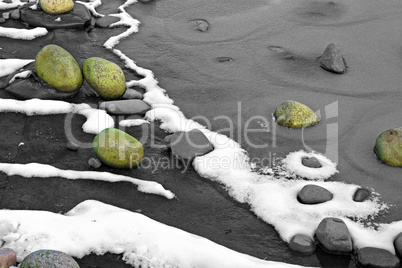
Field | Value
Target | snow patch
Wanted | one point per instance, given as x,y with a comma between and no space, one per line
23,34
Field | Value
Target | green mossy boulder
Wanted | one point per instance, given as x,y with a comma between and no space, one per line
294,114
48,259
56,6
117,149
105,77
388,147
58,68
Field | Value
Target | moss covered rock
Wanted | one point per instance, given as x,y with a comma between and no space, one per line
58,68
388,147
105,77
48,259
294,114
56,6
118,149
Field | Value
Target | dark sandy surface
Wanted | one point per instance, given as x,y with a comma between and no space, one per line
259,75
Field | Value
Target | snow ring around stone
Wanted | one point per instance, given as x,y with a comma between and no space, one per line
293,163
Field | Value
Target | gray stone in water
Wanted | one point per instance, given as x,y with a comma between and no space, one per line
49,259
125,107
398,245
188,145
314,194
131,94
201,25
15,14
311,162
370,257
302,244
106,21
7,258
333,236
332,59
94,163
361,195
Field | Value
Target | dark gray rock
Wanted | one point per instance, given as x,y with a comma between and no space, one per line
332,59
302,244
311,162
376,258
314,194
333,236
201,25
188,145
106,21
361,195
49,259
131,94
15,14
78,17
398,245
125,107
94,163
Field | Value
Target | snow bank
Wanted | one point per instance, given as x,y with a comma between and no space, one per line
132,122
91,227
23,34
97,120
8,66
44,171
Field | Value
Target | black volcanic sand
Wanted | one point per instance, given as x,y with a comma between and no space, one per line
260,54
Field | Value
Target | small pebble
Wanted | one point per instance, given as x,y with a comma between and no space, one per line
131,94
72,146
15,14
201,25
302,244
361,195
311,162
94,163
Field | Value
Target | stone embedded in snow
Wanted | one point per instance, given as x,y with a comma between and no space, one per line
303,244
106,21
332,59
48,259
78,17
361,195
7,258
133,106
311,162
388,147
188,145
94,163
294,114
314,194
15,14
131,94
333,236
54,7
398,245
370,257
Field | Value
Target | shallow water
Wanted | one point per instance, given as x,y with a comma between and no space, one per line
253,57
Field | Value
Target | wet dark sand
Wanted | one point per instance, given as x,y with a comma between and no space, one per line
273,47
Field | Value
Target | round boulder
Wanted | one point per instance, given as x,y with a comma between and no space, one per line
333,236
388,147
56,6
294,114
303,244
313,194
376,257
105,77
58,68
48,259
117,149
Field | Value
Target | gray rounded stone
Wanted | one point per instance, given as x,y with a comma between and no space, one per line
333,236
132,106
361,195
94,163
131,94
201,25
303,244
370,257
311,162
313,194
49,259
332,59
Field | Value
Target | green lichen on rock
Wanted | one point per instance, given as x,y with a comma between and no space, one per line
105,77
294,114
58,68
118,149
48,259
388,147
56,6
